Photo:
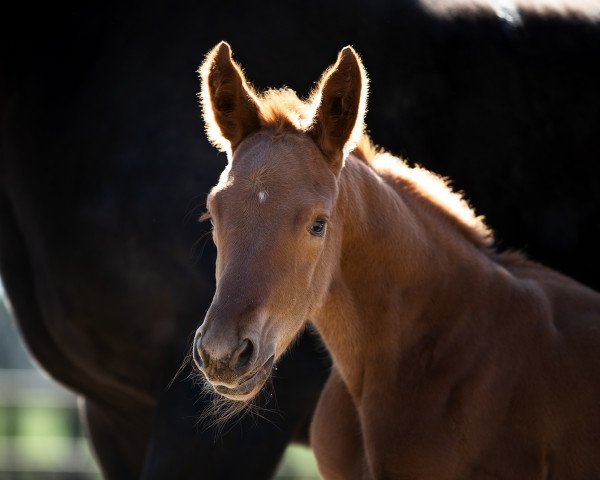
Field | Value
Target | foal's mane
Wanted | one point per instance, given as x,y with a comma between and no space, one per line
436,190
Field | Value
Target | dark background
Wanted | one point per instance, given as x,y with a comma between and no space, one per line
508,111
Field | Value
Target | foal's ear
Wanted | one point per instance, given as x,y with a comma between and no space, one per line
229,105
340,103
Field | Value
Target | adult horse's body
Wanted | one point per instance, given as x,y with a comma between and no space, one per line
101,160
100,252
451,361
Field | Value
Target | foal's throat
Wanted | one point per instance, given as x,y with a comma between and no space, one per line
396,280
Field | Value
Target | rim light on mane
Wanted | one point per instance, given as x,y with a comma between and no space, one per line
437,189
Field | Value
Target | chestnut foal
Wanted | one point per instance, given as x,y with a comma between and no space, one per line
451,361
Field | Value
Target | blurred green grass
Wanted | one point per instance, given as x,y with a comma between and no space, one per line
39,439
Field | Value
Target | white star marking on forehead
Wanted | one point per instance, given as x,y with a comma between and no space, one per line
262,196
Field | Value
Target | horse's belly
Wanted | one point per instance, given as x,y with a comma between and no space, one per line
335,434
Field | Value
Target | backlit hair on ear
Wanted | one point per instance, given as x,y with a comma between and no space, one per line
230,106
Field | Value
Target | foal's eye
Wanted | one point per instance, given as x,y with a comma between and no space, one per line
318,227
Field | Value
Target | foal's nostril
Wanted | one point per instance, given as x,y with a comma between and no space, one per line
198,353
242,355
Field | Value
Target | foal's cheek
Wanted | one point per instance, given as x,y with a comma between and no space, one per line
288,332
219,266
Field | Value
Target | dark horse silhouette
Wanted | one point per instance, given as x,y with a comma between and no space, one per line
103,161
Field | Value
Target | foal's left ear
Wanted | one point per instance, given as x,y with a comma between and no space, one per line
340,102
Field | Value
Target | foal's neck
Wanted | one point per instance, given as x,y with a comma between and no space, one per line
406,277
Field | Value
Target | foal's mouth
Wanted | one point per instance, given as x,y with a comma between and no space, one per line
249,385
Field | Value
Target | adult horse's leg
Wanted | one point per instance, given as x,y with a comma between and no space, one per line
178,432
119,438
181,430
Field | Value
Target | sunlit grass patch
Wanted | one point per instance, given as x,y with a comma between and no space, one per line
298,463
38,439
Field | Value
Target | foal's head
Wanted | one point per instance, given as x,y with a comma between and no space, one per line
273,213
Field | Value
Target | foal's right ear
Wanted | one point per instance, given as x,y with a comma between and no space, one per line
229,105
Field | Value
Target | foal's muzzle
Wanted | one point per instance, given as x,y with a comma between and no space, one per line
235,374
219,368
